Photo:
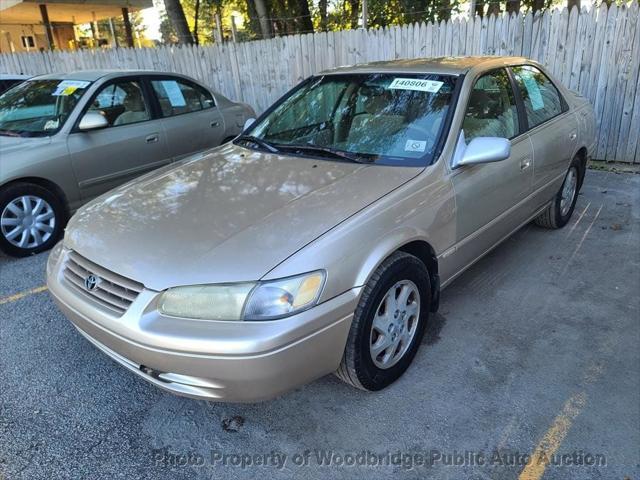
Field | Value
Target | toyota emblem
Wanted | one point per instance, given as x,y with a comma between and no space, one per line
91,282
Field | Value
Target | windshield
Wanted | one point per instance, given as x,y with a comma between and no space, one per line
39,108
391,119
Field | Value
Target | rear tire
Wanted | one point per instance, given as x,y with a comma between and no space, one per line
559,212
32,219
397,298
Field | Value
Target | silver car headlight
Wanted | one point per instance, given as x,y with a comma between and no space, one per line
244,301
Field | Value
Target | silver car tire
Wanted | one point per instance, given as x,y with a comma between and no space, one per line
388,324
559,212
32,219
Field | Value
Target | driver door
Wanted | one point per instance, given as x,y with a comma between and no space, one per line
133,143
491,197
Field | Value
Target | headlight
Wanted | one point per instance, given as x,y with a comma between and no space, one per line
244,301
281,298
210,302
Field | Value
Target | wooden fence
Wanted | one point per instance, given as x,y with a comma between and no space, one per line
595,52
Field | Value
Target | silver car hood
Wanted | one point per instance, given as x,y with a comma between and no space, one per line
226,216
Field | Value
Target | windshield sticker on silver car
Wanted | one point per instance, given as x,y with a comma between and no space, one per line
67,87
431,86
415,146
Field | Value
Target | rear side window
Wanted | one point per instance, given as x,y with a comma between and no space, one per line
177,97
540,96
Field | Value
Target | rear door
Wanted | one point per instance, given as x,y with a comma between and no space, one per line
190,116
553,130
132,144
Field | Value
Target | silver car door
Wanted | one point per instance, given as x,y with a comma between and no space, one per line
190,116
131,144
491,198
553,130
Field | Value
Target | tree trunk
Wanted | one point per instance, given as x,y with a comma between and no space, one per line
354,13
306,22
494,8
445,12
179,21
322,6
513,6
537,6
265,28
196,17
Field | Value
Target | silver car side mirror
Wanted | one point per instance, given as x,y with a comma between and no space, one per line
248,123
92,121
480,150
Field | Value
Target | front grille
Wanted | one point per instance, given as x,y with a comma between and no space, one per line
112,292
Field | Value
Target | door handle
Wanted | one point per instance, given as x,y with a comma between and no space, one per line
525,163
153,138
214,124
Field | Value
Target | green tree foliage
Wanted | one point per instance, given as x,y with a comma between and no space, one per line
285,17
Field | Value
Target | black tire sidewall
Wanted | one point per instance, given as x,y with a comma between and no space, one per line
10,193
408,268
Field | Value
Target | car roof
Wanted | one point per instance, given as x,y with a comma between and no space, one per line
442,65
93,75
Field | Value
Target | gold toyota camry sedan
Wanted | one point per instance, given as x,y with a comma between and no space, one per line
319,240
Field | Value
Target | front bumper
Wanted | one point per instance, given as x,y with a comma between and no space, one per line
222,361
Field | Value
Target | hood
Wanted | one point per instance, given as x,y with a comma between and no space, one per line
21,144
229,215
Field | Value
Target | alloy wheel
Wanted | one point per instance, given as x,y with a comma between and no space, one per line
395,324
27,221
569,189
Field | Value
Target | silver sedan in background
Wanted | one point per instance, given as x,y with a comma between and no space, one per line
64,139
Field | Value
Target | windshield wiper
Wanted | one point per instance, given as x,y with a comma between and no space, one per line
257,141
327,151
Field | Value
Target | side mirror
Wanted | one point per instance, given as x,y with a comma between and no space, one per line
481,150
248,123
92,121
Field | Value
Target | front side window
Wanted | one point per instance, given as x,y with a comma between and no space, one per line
39,108
391,119
491,110
121,103
177,97
541,98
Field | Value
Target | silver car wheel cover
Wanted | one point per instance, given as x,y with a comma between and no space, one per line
569,189
395,324
27,221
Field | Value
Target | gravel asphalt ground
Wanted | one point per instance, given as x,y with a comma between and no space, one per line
534,354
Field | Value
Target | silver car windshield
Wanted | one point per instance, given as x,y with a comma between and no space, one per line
393,119
39,108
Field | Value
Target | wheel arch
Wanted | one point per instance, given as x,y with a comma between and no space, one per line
44,183
419,248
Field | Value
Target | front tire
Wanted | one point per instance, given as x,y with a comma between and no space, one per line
559,212
31,219
388,324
